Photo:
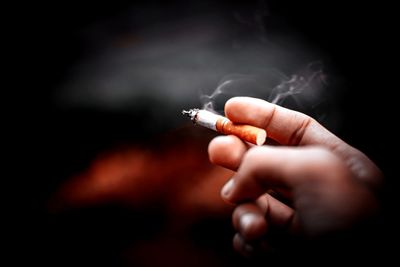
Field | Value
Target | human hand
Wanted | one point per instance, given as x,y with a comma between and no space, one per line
328,185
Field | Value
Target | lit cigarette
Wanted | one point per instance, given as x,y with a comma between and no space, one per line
223,125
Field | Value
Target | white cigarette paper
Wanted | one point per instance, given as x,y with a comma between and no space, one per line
223,125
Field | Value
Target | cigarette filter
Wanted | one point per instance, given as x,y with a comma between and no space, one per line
223,125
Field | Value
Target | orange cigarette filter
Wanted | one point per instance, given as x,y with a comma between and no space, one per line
223,125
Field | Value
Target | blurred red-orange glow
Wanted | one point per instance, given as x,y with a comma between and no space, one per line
170,177
174,174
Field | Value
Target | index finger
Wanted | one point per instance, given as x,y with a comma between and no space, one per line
287,127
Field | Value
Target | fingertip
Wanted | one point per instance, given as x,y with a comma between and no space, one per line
226,151
226,191
234,104
240,245
249,220
252,226
236,101
231,103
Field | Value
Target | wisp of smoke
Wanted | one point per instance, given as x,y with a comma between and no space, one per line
304,91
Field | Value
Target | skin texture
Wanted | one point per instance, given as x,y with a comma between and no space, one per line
311,184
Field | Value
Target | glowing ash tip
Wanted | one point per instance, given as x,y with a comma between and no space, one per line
191,113
186,112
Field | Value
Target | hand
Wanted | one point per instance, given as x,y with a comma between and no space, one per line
327,185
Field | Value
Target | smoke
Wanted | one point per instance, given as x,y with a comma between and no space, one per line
308,84
305,91
161,62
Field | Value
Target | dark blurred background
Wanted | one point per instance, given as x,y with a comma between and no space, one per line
100,87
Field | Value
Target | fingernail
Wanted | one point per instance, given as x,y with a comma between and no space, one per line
226,190
246,221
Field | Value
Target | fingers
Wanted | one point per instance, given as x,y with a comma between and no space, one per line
241,246
248,219
265,168
325,195
227,151
285,126
289,127
253,220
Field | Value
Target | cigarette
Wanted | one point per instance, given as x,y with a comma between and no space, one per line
223,125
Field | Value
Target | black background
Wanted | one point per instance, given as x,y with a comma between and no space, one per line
356,38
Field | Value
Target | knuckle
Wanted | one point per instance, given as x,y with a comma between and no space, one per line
325,158
304,123
323,163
